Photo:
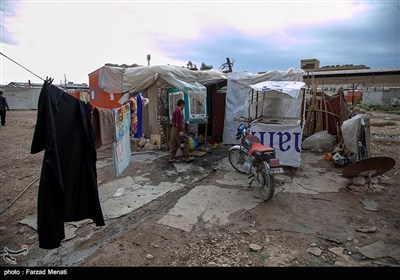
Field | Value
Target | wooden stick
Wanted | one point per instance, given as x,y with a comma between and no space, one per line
327,112
326,115
15,199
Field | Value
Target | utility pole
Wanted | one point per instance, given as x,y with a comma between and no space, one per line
148,59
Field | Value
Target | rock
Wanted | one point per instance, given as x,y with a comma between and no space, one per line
315,251
255,247
374,180
336,250
376,188
149,256
358,181
369,204
367,230
354,188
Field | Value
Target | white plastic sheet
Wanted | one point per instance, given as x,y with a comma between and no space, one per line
351,132
279,89
134,79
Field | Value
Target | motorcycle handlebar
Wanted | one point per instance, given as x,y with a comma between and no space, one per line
253,122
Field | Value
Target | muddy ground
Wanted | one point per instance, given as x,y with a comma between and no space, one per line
293,229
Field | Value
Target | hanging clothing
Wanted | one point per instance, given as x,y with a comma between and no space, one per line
122,144
103,126
139,133
134,118
68,183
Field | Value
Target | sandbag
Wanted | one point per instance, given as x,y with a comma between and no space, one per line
320,141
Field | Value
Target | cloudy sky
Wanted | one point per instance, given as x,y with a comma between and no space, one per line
73,38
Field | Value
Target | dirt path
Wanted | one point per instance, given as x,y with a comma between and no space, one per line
293,229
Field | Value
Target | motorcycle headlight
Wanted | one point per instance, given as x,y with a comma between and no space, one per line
240,129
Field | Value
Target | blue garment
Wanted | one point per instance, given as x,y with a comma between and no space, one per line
139,133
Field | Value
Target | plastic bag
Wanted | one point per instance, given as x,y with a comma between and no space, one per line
191,144
319,141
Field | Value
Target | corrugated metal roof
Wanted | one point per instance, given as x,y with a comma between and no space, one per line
37,85
353,71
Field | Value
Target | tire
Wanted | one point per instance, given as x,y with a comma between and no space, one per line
266,183
237,158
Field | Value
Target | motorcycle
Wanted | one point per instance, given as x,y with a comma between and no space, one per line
256,160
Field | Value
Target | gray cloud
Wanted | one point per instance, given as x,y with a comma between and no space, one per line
371,39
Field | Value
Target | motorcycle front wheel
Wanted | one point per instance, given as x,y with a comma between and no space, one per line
237,158
266,183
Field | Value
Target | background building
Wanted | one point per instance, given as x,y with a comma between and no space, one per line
375,86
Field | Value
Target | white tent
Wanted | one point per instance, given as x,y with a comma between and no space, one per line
134,79
238,96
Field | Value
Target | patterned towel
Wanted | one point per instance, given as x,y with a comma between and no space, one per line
103,126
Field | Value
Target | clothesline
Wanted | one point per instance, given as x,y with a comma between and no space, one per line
22,66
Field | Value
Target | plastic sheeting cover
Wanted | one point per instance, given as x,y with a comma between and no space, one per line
135,79
279,89
350,131
238,89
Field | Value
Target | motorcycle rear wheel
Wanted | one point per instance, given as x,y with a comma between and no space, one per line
266,183
237,158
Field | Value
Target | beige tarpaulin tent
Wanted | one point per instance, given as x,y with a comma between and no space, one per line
134,79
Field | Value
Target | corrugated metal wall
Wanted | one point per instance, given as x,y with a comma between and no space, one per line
100,98
22,98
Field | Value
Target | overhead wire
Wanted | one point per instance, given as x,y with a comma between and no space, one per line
22,66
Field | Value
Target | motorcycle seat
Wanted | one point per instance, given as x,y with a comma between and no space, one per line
260,147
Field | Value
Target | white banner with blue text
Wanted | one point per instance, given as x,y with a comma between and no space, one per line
285,139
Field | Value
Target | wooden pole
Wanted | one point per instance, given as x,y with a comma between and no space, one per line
228,61
368,136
